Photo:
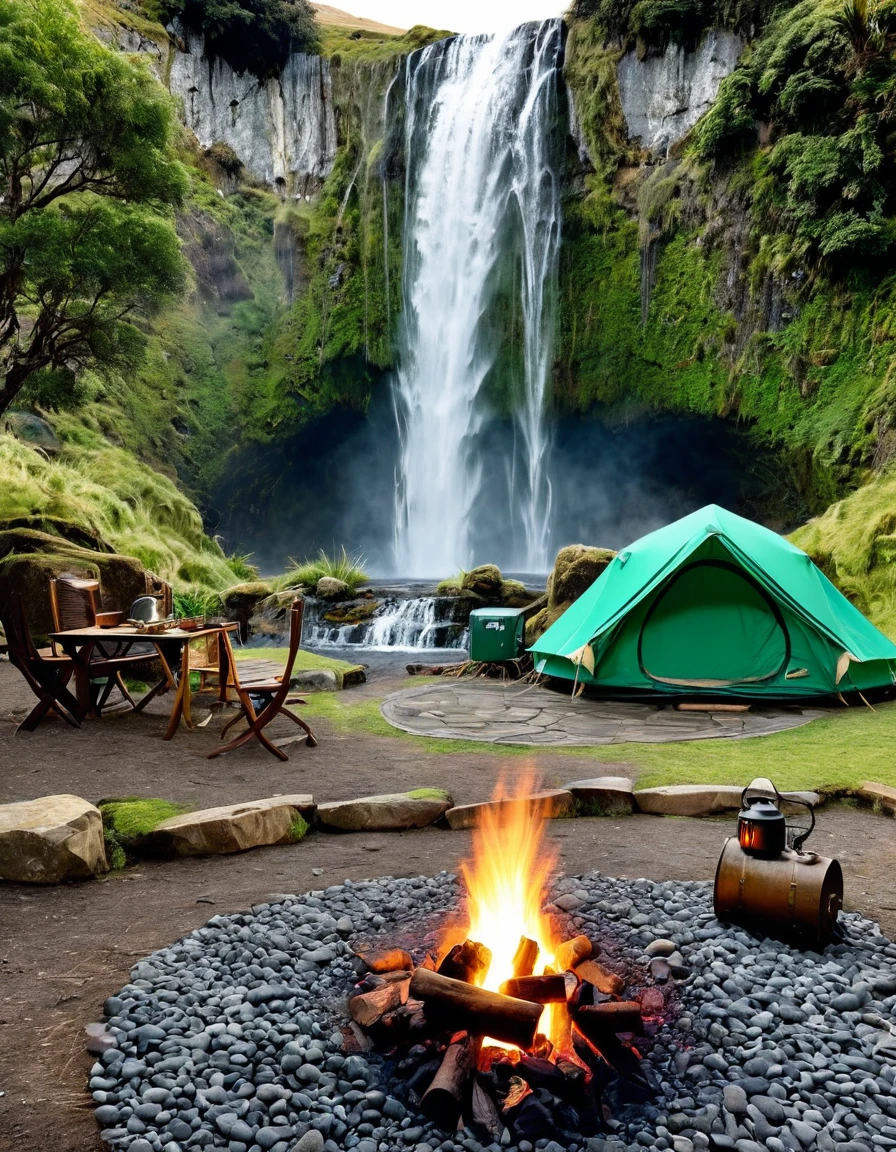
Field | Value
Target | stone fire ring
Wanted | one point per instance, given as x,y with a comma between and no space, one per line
515,714
231,1038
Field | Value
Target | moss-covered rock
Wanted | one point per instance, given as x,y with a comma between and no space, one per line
30,559
575,569
484,581
241,601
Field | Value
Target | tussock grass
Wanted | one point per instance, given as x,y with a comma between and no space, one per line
339,566
854,543
136,510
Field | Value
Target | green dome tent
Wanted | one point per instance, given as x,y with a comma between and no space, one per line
714,604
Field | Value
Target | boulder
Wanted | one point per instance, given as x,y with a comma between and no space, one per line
688,799
231,828
552,804
515,594
329,588
33,430
29,558
706,799
241,601
880,795
51,839
389,813
484,581
603,796
575,569
316,680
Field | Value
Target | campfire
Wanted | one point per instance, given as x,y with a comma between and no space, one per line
507,1026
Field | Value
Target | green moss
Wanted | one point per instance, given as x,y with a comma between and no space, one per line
127,820
429,794
298,828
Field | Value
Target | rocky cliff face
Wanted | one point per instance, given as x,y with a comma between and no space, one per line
664,96
283,130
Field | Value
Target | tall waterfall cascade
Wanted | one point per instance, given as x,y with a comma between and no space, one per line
482,226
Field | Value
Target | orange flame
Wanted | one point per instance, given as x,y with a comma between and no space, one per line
506,881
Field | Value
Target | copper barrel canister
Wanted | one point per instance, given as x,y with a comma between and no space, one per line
794,894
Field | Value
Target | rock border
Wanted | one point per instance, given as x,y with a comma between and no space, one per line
272,818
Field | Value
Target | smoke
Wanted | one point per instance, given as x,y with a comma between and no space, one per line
610,485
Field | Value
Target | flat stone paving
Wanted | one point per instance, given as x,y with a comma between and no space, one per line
511,714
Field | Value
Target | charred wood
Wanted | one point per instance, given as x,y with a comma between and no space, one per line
476,1010
466,962
443,1100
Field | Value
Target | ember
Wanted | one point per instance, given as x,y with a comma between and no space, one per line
513,1029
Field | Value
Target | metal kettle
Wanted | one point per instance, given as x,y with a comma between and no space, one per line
146,610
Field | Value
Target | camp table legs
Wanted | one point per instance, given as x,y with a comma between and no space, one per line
181,707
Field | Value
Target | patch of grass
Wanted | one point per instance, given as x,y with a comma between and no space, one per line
108,491
836,753
452,585
127,819
298,828
338,566
429,794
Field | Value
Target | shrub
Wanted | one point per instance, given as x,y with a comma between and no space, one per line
251,35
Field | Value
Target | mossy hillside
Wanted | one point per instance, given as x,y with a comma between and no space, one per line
854,543
119,500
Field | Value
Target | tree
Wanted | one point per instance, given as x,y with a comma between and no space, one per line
88,182
251,35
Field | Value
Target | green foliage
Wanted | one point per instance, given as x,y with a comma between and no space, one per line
298,828
87,243
340,566
251,35
453,585
657,22
127,820
106,490
189,602
825,76
429,794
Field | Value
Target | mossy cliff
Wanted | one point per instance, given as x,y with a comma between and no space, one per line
749,273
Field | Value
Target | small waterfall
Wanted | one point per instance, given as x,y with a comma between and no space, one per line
482,194
402,624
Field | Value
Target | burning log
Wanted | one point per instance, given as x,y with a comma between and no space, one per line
602,978
540,989
387,959
443,1099
616,1055
368,1008
476,1010
466,962
596,1020
572,952
524,958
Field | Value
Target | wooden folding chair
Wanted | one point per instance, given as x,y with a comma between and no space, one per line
273,694
75,602
46,673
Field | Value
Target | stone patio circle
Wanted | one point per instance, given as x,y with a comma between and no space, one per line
511,714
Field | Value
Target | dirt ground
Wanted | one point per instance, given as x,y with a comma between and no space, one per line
63,950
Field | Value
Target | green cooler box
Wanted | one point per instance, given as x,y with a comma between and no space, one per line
496,634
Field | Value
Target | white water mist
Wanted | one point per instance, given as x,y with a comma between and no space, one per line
482,187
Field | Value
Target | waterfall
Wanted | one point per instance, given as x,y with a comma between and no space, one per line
402,623
482,205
